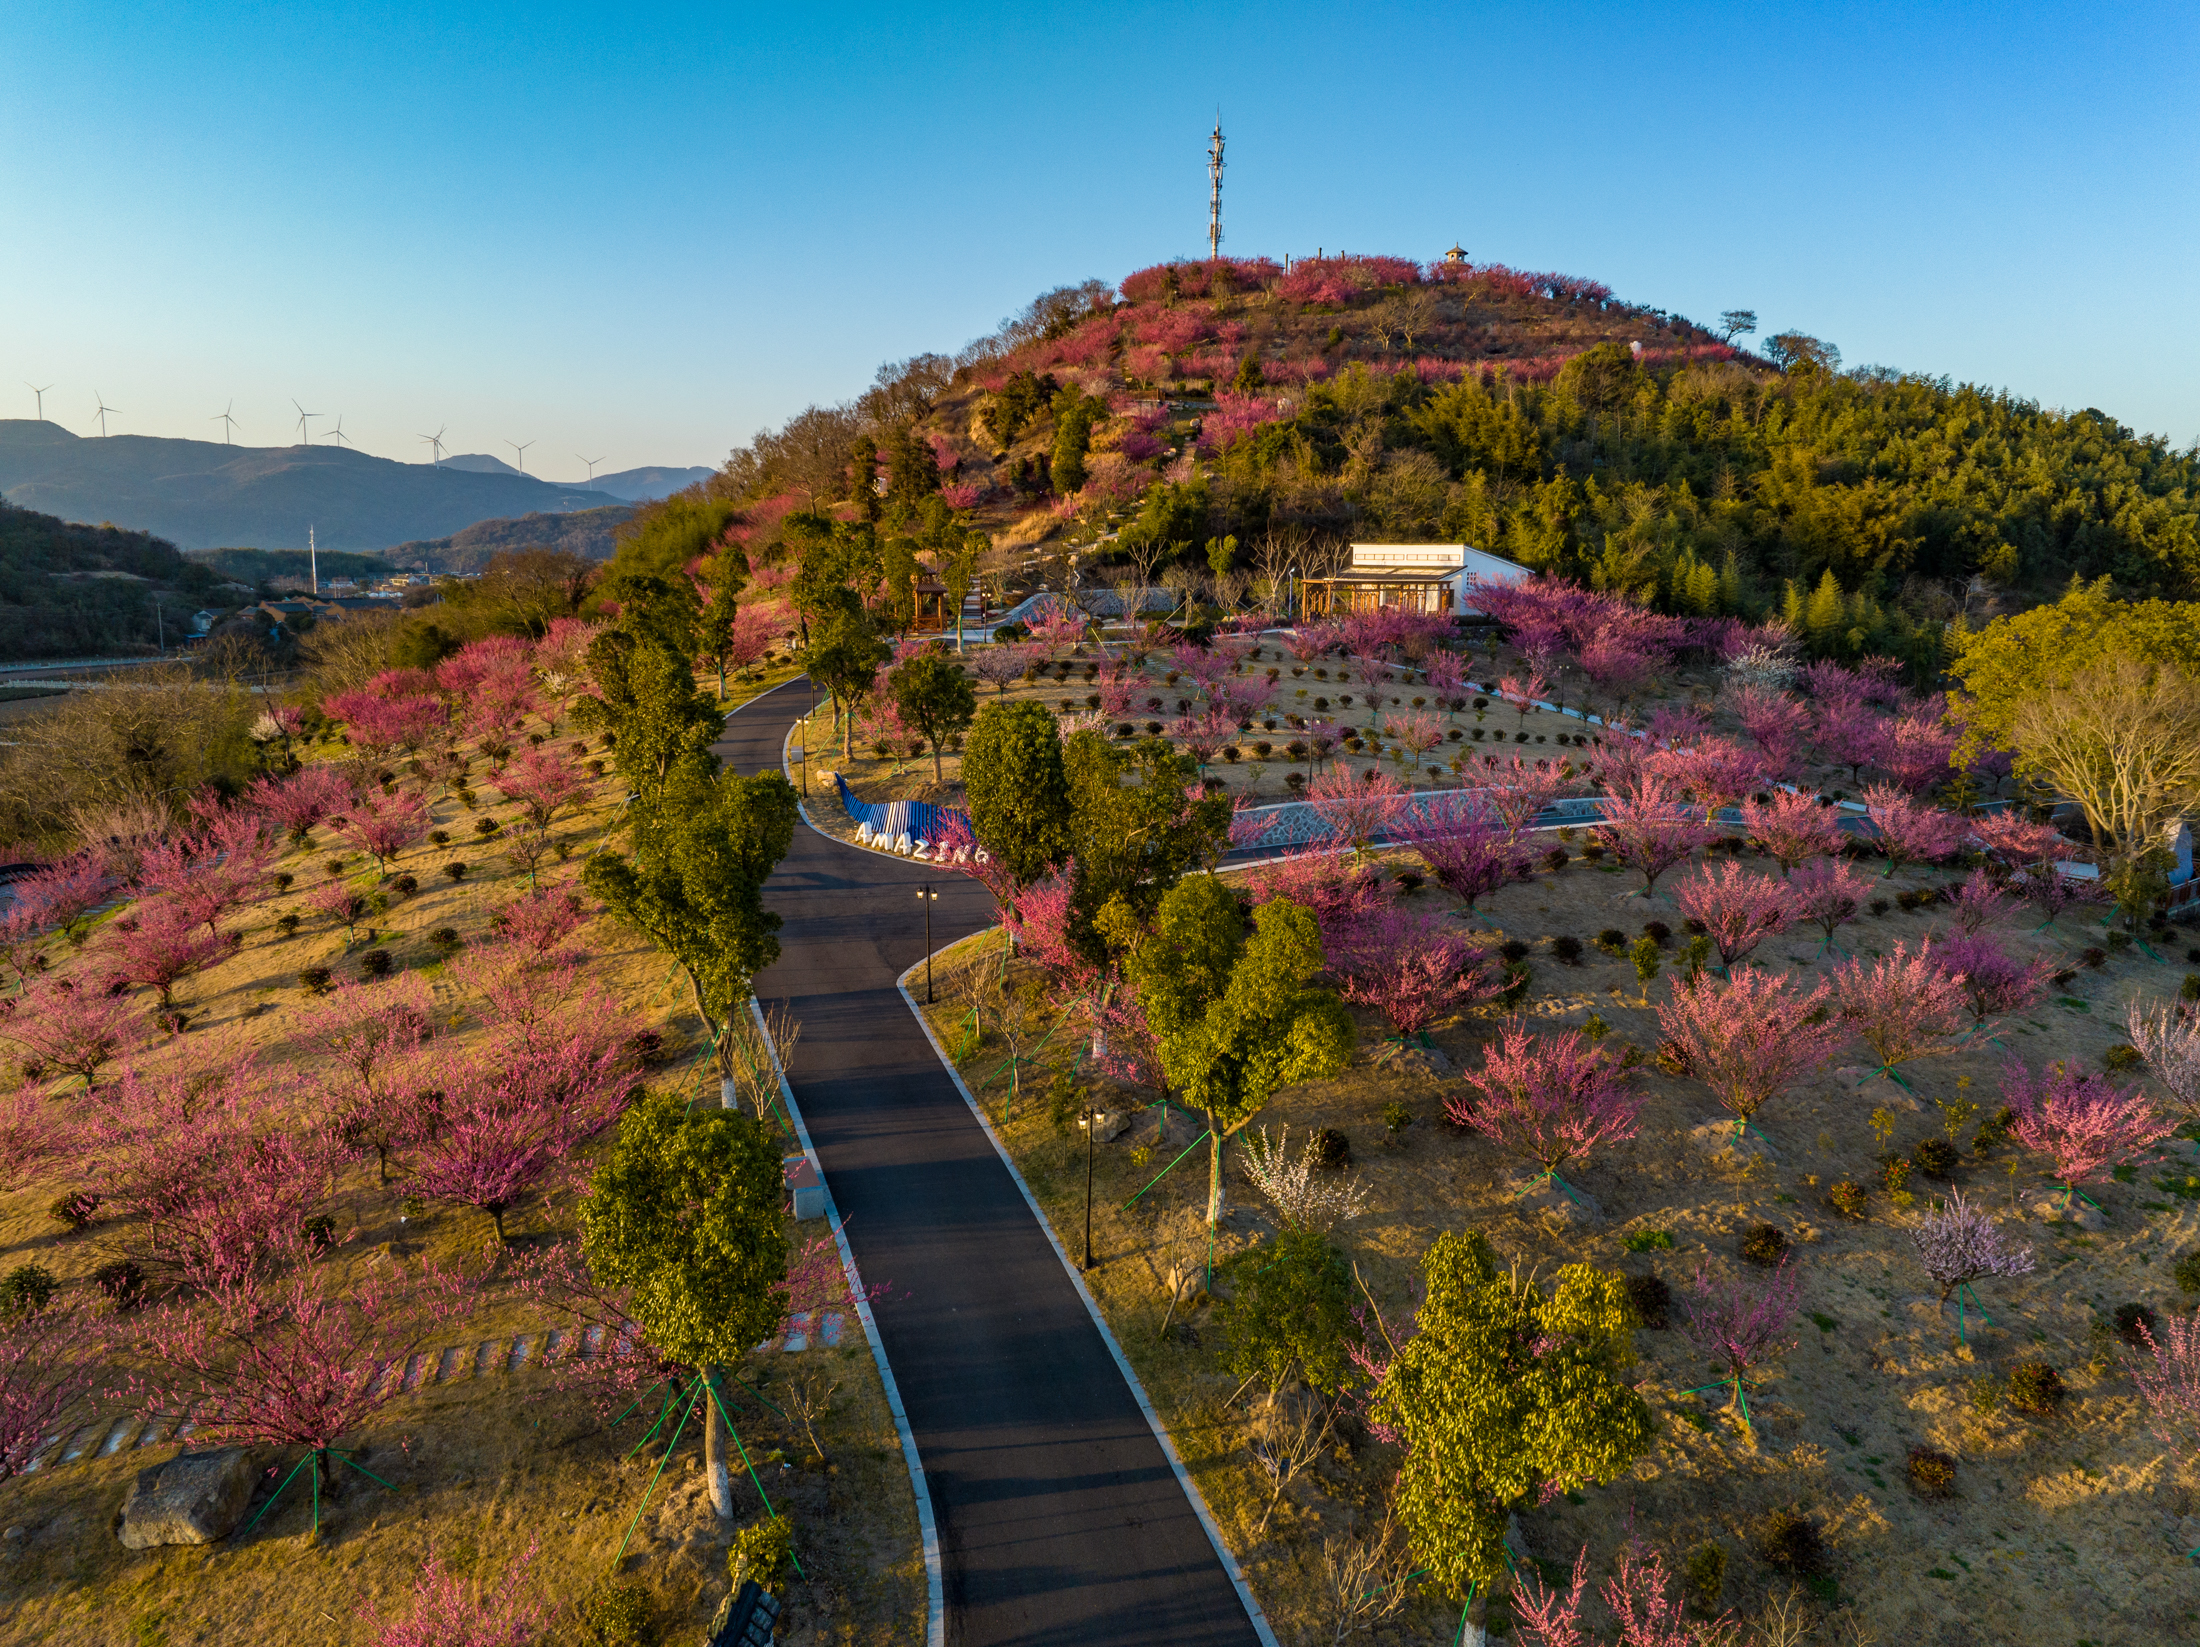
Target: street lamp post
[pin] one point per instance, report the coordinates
(801, 763)
(931, 896)
(1090, 1121)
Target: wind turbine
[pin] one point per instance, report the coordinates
(436, 442)
(591, 462)
(304, 436)
(337, 433)
(41, 394)
(521, 449)
(227, 422)
(104, 409)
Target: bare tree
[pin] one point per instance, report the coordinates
(1288, 1438)
(2123, 741)
(906, 389)
(1362, 1582)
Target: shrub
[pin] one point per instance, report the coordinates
(445, 939)
(1847, 1199)
(2035, 1388)
(2135, 1324)
(1935, 1157)
(456, 869)
(2187, 1273)
(2118, 1059)
(1880, 906)
(1894, 1172)
(375, 963)
(314, 980)
(485, 827)
(1986, 1395)
(1594, 852)
(26, 1289)
(614, 1614)
(1567, 948)
(2094, 955)
(1396, 1118)
(1648, 1301)
(319, 1231)
(123, 1283)
(1703, 1576)
(1792, 1544)
(1672, 1059)
(1764, 1244)
(1657, 932)
(1612, 941)
(1409, 881)
(405, 885)
(439, 837)
(760, 1551)
(1932, 1473)
(74, 1209)
(287, 923)
(2189, 990)
(1649, 1241)
(1513, 950)
(1555, 859)
(1332, 1149)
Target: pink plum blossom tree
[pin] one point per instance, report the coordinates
(1741, 1325)
(159, 944)
(1465, 847)
(1908, 832)
(1749, 1037)
(1409, 967)
(1995, 983)
(2170, 1382)
(383, 826)
(1737, 908)
(69, 1027)
(2169, 1039)
(1902, 1006)
(543, 783)
(451, 1611)
(1650, 829)
(1548, 1098)
(1794, 827)
(50, 1364)
(2079, 1121)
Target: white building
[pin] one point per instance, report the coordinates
(1427, 577)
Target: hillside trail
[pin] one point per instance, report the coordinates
(1060, 1518)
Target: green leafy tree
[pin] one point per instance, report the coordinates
(1221, 555)
(1504, 1392)
(668, 539)
(695, 887)
(863, 480)
(661, 727)
(912, 469)
(1074, 415)
(724, 577)
(1134, 832)
(1289, 1311)
(843, 657)
(2013, 661)
(1250, 379)
(935, 698)
(685, 1218)
(1233, 1007)
(1017, 788)
(899, 555)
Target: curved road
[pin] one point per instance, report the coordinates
(1060, 1520)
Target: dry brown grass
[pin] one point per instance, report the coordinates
(480, 1467)
(2059, 1530)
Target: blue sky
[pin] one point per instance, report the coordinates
(644, 232)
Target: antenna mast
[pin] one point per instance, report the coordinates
(1214, 192)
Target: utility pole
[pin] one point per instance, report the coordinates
(313, 560)
(1214, 192)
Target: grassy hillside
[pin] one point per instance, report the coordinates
(584, 532)
(1533, 414)
(69, 590)
(255, 566)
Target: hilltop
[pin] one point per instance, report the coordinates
(1535, 415)
(584, 532)
(202, 495)
(644, 485)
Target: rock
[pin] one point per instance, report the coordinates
(194, 1498)
(1718, 1138)
(1429, 1063)
(1111, 1124)
(1540, 1197)
(16, 1535)
(2049, 1209)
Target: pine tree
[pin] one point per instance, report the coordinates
(1826, 616)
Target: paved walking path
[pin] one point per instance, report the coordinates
(1060, 1520)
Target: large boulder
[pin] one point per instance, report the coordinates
(194, 1498)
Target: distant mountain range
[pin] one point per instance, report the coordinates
(202, 495)
(584, 532)
(644, 485)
